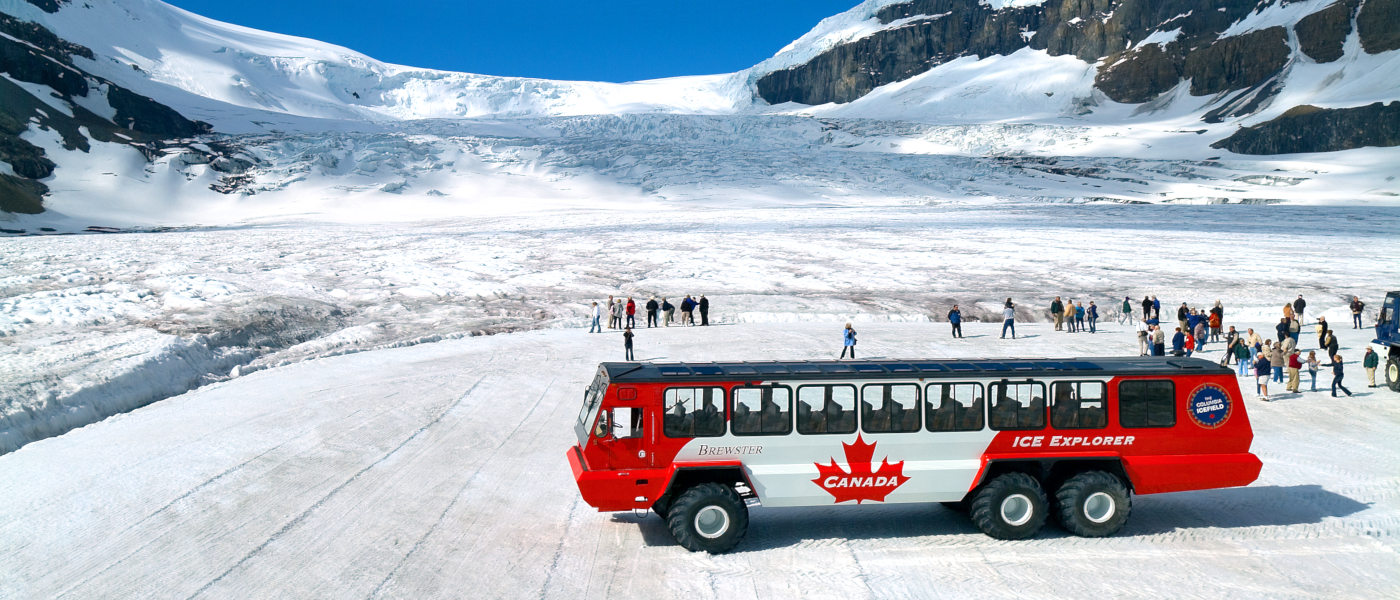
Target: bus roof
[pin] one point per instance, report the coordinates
(981, 368)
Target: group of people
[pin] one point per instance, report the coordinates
(1072, 316)
(1269, 359)
(623, 315)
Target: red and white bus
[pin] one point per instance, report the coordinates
(1010, 441)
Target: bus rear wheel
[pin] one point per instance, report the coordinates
(1093, 504)
(709, 517)
(1010, 507)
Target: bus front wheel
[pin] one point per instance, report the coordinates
(709, 517)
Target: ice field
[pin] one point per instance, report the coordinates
(438, 471)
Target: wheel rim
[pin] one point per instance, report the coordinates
(711, 522)
(1099, 507)
(1017, 510)
(1392, 372)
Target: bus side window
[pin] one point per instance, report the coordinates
(693, 412)
(765, 410)
(1019, 405)
(889, 408)
(1150, 403)
(1077, 405)
(953, 407)
(626, 422)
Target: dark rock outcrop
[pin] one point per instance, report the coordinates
(1378, 24)
(1321, 34)
(1237, 62)
(1140, 75)
(48, 6)
(1313, 129)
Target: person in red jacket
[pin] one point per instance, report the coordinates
(631, 313)
(1294, 364)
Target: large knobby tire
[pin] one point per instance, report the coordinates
(709, 517)
(1093, 504)
(1392, 373)
(1010, 507)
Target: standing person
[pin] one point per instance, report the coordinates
(617, 309)
(1008, 315)
(1261, 377)
(1069, 316)
(1253, 341)
(1331, 344)
(1093, 314)
(1200, 334)
(1142, 338)
(1057, 310)
(1293, 365)
(1146, 308)
(687, 311)
(652, 307)
(1370, 361)
(1127, 315)
(612, 322)
(1214, 322)
(1178, 343)
(955, 317)
(1356, 307)
(1159, 341)
(1156, 308)
(1182, 313)
(1079, 317)
(1322, 330)
(1336, 365)
(848, 339)
(627, 342)
(1231, 337)
(1298, 306)
(1242, 355)
(1282, 328)
(1294, 327)
(1276, 359)
(631, 313)
(704, 305)
(1288, 311)
(1190, 344)
(1313, 363)
(668, 311)
(597, 315)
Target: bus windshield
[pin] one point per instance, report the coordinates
(591, 397)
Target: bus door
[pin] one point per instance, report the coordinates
(625, 433)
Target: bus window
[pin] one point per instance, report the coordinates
(1077, 405)
(889, 408)
(765, 410)
(693, 412)
(1147, 403)
(953, 407)
(621, 423)
(826, 409)
(1018, 405)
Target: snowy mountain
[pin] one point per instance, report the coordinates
(134, 113)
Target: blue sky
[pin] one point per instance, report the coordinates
(609, 40)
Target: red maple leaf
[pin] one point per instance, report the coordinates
(861, 483)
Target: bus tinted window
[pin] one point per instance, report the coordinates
(1147, 403)
(889, 407)
(693, 412)
(826, 409)
(765, 410)
(1077, 405)
(1017, 405)
(954, 407)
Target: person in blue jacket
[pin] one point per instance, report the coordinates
(1093, 313)
(1079, 317)
(955, 317)
(1336, 365)
(1178, 343)
(1262, 368)
(849, 339)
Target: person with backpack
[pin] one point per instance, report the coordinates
(848, 339)
(1276, 359)
(1331, 344)
(652, 307)
(1336, 365)
(955, 317)
(1370, 361)
(1357, 306)
(1213, 321)
(1008, 315)
(1057, 310)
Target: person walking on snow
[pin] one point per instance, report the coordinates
(652, 307)
(704, 306)
(848, 339)
(1057, 310)
(1336, 365)
(1331, 344)
(627, 342)
(955, 317)
(1182, 317)
(631, 313)
(1356, 307)
(1008, 315)
(1370, 361)
(1126, 316)
(597, 319)
(1213, 321)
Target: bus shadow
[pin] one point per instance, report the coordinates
(1230, 508)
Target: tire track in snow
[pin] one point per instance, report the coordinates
(289, 525)
(442, 516)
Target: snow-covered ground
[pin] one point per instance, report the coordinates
(438, 471)
(95, 325)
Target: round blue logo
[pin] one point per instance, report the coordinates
(1210, 406)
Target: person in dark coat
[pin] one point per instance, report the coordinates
(1093, 313)
(1356, 307)
(1336, 365)
(955, 317)
(1298, 306)
(1262, 368)
(652, 307)
(1282, 328)
(668, 312)
(1331, 344)
(1146, 308)
(1178, 343)
(687, 311)
(1182, 313)
(1057, 310)
(627, 342)
(704, 305)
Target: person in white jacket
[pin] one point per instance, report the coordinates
(597, 326)
(1009, 314)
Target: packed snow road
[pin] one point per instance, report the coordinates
(438, 471)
